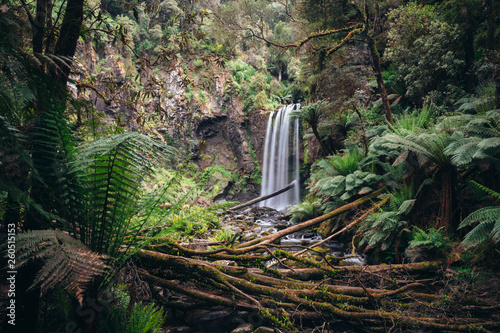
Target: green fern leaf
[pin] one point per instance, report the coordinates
(66, 260)
(406, 207)
(113, 169)
(488, 227)
(486, 189)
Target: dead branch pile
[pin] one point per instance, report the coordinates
(307, 291)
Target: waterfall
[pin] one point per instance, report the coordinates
(281, 159)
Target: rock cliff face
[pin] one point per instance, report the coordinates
(216, 130)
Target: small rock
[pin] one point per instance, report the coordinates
(265, 233)
(225, 262)
(165, 205)
(200, 316)
(179, 329)
(248, 236)
(264, 329)
(281, 225)
(202, 202)
(243, 328)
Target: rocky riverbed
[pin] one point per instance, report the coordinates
(250, 224)
(262, 221)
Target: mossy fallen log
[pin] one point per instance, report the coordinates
(315, 292)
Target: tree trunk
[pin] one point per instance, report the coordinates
(380, 80)
(286, 294)
(490, 24)
(68, 38)
(447, 202)
(490, 46)
(468, 40)
(38, 27)
(321, 142)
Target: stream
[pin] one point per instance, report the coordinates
(250, 224)
(261, 221)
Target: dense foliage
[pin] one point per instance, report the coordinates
(397, 96)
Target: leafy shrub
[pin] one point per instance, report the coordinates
(260, 100)
(337, 165)
(429, 245)
(145, 319)
(385, 229)
(382, 230)
(306, 210)
(358, 182)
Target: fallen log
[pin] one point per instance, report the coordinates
(349, 226)
(263, 197)
(281, 301)
(307, 224)
(404, 296)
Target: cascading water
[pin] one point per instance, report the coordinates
(281, 159)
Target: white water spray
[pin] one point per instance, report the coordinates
(281, 159)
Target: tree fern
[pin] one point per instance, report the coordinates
(66, 260)
(431, 145)
(480, 142)
(382, 230)
(312, 114)
(113, 168)
(54, 187)
(488, 227)
(110, 172)
(345, 186)
(348, 162)
(483, 101)
(338, 164)
(489, 222)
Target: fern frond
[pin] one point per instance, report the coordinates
(305, 210)
(412, 123)
(66, 260)
(463, 151)
(310, 113)
(488, 227)
(113, 169)
(490, 146)
(346, 163)
(485, 189)
(433, 145)
(145, 319)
